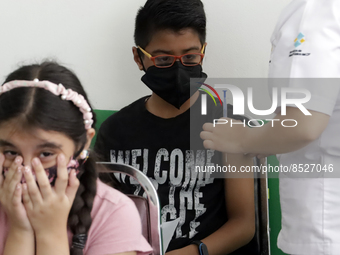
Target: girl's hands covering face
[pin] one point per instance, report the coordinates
(11, 195)
(48, 207)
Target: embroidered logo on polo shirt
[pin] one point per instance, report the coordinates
(299, 40)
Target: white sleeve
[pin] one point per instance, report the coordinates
(306, 41)
(325, 93)
(306, 44)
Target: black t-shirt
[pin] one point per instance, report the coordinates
(167, 151)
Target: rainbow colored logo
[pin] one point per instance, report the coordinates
(208, 92)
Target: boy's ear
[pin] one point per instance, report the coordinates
(137, 59)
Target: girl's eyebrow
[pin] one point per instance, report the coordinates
(40, 146)
(49, 145)
(5, 143)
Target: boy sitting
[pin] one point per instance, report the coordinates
(155, 134)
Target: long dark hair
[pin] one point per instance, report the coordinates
(39, 108)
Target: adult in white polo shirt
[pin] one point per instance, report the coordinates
(306, 44)
(311, 207)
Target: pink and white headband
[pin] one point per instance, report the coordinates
(66, 94)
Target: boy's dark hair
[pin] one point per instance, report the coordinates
(175, 15)
(38, 108)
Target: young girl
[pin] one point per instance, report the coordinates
(51, 201)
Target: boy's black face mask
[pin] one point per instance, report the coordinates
(172, 84)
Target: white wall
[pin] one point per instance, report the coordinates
(94, 38)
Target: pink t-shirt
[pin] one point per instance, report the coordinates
(116, 225)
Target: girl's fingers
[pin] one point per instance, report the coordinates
(15, 180)
(26, 198)
(33, 190)
(12, 169)
(62, 175)
(73, 185)
(2, 160)
(17, 195)
(42, 179)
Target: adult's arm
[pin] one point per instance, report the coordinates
(272, 138)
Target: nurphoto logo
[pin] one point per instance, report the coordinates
(239, 103)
